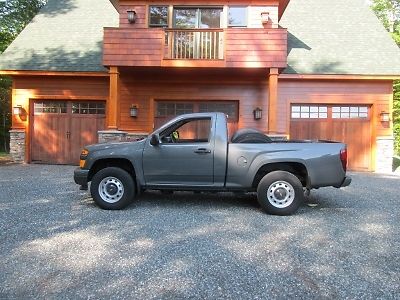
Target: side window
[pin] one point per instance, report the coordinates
(158, 16)
(192, 131)
(237, 16)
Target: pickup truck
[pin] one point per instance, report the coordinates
(192, 152)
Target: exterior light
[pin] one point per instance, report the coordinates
(257, 113)
(17, 110)
(134, 111)
(132, 16)
(265, 17)
(385, 116)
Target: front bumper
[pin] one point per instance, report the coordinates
(346, 181)
(81, 176)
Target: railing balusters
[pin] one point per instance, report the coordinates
(194, 44)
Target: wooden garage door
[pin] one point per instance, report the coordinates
(167, 110)
(344, 123)
(60, 129)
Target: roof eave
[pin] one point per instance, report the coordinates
(282, 7)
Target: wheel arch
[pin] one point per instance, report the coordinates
(122, 163)
(296, 168)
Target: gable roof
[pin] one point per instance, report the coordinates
(65, 35)
(338, 37)
(325, 37)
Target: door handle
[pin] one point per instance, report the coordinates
(202, 151)
(68, 134)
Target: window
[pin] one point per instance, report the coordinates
(188, 131)
(173, 109)
(49, 107)
(84, 108)
(158, 16)
(190, 17)
(229, 109)
(309, 112)
(349, 112)
(237, 16)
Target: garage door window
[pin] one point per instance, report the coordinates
(50, 107)
(309, 112)
(349, 112)
(86, 108)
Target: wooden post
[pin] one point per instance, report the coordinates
(113, 101)
(273, 101)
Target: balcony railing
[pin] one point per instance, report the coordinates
(205, 44)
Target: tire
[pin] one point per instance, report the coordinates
(112, 188)
(280, 193)
(250, 136)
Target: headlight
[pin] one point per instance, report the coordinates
(83, 157)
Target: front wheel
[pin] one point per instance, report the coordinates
(280, 193)
(112, 188)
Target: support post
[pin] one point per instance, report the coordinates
(273, 101)
(113, 101)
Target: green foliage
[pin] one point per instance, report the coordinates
(14, 16)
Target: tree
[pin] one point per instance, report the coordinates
(14, 16)
(388, 11)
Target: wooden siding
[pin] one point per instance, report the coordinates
(266, 48)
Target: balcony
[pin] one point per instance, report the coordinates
(218, 48)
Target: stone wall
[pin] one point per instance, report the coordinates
(115, 136)
(17, 145)
(384, 154)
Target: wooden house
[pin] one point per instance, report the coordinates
(93, 70)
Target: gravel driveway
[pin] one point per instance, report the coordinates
(55, 243)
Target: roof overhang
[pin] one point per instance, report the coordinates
(338, 77)
(282, 7)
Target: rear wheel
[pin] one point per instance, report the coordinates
(280, 193)
(112, 188)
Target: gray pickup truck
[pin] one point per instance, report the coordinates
(192, 153)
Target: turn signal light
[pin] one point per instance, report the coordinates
(83, 157)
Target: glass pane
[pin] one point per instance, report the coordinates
(363, 115)
(314, 109)
(336, 115)
(345, 109)
(345, 115)
(158, 16)
(363, 109)
(336, 109)
(354, 109)
(354, 115)
(323, 109)
(210, 17)
(185, 17)
(305, 115)
(295, 108)
(237, 16)
(314, 115)
(323, 115)
(305, 109)
(295, 115)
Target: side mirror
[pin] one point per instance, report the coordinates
(155, 139)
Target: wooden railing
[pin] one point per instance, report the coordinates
(194, 44)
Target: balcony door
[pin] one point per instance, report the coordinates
(202, 18)
(197, 33)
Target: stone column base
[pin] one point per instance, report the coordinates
(111, 136)
(384, 154)
(17, 145)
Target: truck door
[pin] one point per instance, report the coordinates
(184, 155)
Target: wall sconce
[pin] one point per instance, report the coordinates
(18, 110)
(134, 111)
(385, 116)
(265, 17)
(132, 16)
(257, 113)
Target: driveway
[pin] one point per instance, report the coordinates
(55, 243)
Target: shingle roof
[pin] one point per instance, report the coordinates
(325, 37)
(65, 36)
(338, 37)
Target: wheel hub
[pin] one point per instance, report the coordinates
(280, 194)
(111, 189)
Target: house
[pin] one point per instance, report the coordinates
(93, 70)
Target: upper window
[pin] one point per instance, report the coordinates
(349, 112)
(158, 16)
(237, 16)
(309, 112)
(49, 107)
(173, 109)
(86, 108)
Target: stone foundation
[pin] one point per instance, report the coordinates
(384, 154)
(115, 136)
(17, 145)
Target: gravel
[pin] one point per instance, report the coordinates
(55, 243)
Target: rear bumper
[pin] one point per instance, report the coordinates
(81, 176)
(346, 182)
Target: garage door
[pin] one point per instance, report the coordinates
(345, 123)
(167, 110)
(60, 129)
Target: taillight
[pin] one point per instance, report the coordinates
(343, 158)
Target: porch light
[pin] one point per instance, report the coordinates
(17, 110)
(265, 17)
(385, 116)
(134, 111)
(131, 16)
(257, 113)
